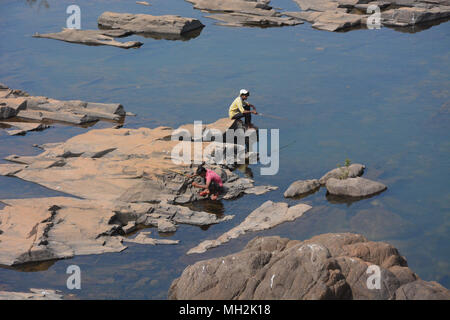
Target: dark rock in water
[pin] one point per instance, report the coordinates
(145, 23)
(300, 187)
(327, 266)
(354, 187)
(92, 37)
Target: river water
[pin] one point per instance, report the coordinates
(377, 97)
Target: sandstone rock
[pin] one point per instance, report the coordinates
(20, 104)
(352, 171)
(20, 128)
(267, 216)
(244, 13)
(317, 5)
(142, 238)
(328, 266)
(145, 23)
(165, 225)
(34, 294)
(301, 187)
(354, 187)
(136, 184)
(422, 290)
(402, 17)
(49, 228)
(91, 37)
(9, 107)
(242, 19)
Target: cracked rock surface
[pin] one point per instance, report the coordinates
(327, 266)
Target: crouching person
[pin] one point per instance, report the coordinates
(213, 186)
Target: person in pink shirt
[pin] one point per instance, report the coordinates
(213, 186)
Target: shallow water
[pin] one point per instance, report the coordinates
(370, 96)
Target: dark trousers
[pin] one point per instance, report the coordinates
(247, 116)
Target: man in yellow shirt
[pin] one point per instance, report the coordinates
(240, 108)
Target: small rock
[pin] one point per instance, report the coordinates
(300, 187)
(354, 187)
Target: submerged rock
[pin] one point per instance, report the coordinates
(268, 215)
(327, 266)
(354, 187)
(34, 294)
(301, 187)
(92, 37)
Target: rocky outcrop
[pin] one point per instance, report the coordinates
(338, 15)
(34, 294)
(268, 215)
(301, 187)
(256, 13)
(54, 228)
(17, 103)
(327, 266)
(92, 37)
(148, 24)
(125, 180)
(354, 187)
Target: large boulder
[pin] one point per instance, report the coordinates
(354, 187)
(327, 266)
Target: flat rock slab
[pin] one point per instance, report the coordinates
(403, 17)
(142, 238)
(20, 104)
(267, 216)
(9, 107)
(354, 187)
(337, 15)
(42, 229)
(92, 37)
(326, 267)
(34, 294)
(241, 19)
(145, 23)
(20, 128)
(301, 187)
(238, 13)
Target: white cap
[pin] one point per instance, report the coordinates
(244, 91)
